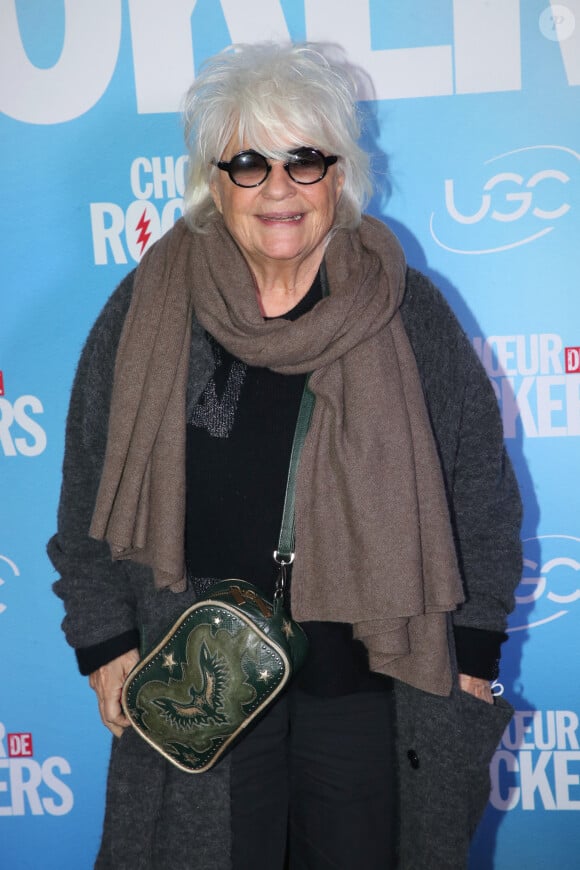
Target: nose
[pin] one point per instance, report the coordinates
(278, 185)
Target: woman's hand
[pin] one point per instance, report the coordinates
(107, 683)
(476, 686)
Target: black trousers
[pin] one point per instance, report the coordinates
(313, 785)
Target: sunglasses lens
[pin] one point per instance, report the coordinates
(248, 168)
(306, 165)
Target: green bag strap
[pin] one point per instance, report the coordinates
(284, 555)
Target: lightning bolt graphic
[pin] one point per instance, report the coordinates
(143, 226)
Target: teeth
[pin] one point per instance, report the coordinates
(295, 217)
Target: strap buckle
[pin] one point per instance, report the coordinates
(283, 560)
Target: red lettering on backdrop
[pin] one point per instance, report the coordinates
(20, 745)
(572, 357)
(1, 383)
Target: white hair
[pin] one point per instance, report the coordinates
(273, 98)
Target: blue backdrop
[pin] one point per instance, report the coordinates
(474, 123)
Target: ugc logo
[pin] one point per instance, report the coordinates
(516, 198)
(13, 570)
(550, 585)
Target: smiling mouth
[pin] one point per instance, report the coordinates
(281, 218)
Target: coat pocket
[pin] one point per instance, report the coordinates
(482, 725)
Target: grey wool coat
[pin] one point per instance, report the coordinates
(156, 816)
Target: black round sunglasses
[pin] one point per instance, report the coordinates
(250, 168)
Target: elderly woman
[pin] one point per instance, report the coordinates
(407, 513)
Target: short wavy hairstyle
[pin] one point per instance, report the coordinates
(274, 97)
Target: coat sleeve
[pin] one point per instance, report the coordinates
(486, 509)
(482, 491)
(100, 620)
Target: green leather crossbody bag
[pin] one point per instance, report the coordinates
(225, 659)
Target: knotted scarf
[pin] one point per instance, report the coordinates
(374, 546)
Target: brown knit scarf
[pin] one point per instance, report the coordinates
(373, 541)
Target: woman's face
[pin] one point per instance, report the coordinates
(279, 223)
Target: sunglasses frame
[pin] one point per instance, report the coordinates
(227, 166)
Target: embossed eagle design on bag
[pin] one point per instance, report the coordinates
(206, 704)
